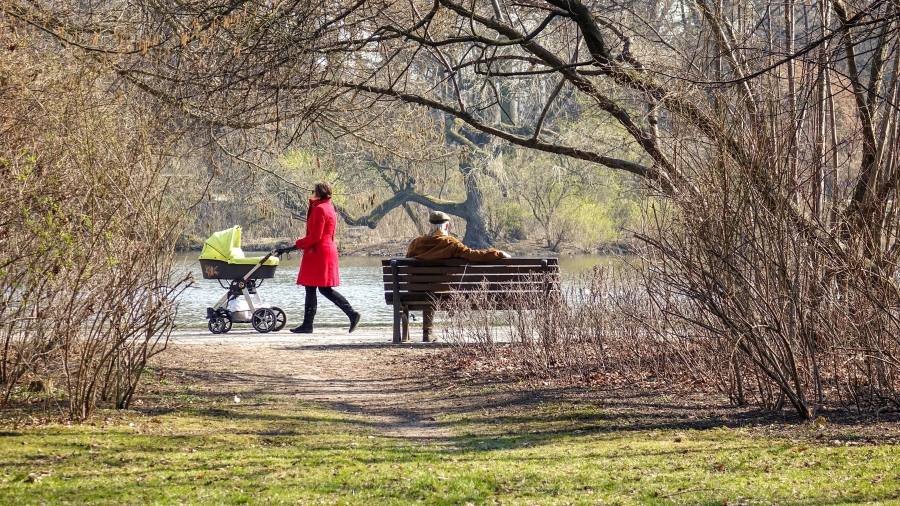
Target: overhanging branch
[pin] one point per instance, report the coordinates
(527, 142)
(404, 196)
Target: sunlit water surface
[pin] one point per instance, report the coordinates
(361, 284)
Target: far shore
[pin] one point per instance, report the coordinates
(397, 247)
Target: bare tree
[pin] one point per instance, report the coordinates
(766, 133)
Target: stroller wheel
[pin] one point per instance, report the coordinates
(264, 320)
(280, 319)
(219, 325)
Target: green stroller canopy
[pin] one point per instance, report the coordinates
(225, 246)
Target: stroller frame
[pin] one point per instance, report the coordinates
(264, 319)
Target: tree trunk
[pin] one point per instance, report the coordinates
(476, 232)
(471, 210)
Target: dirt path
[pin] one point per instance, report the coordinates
(400, 395)
(360, 373)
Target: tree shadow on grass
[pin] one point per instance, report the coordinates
(401, 403)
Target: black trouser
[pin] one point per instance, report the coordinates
(330, 294)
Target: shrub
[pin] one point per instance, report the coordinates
(86, 239)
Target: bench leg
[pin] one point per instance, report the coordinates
(405, 322)
(397, 339)
(427, 323)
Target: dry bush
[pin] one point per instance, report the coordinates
(804, 310)
(775, 321)
(86, 230)
(733, 293)
(637, 324)
(602, 328)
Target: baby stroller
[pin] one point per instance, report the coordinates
(223, 260)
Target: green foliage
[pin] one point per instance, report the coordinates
(572, 204)
(505, 219)
(300, 160)
(584, 221)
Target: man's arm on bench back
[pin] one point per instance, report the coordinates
(440, 247)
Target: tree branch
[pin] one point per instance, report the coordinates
(408, 194)
(613, 163)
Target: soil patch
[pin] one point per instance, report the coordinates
(373, 381)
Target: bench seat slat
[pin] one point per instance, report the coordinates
(466, 287)
(466, 269)
(425, 297)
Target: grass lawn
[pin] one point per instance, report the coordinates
(274, 447)
(273, 451)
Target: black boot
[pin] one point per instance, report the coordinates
(309, 312)
(354, 320)
(307, 326)
(339, 301)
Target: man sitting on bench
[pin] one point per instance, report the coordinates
(438, 245)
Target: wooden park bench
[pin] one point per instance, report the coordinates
(411, 284)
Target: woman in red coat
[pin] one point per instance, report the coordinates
(319, 267)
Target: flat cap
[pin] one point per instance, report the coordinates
(438, 217)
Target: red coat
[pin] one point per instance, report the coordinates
(319, 266)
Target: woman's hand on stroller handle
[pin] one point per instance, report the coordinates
(281, 251)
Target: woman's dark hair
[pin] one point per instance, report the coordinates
(323, 190)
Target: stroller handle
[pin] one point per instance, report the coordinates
(258, 265)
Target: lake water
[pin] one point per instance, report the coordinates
(361, 284)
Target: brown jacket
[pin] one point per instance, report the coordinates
(437, 246)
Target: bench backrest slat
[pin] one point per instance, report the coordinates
(421, 281)
(426, 298)
(467, 269)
